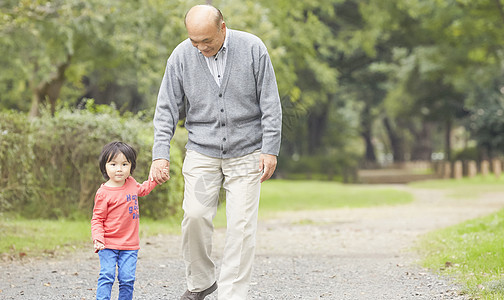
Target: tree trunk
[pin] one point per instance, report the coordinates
(422, 146)
(34, 109)
(500, 9)
(367, 134)
(317, 122)
(87, 189)
(396, 142)
(448, 129)
(48, 90)
(370, 155)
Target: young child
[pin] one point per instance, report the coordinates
(115, 222)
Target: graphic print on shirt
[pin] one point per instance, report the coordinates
(133, 206)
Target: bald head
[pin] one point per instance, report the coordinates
(203, 15)
(206, 29)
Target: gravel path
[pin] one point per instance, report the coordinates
(339, 254)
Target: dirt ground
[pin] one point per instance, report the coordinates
(363, 253)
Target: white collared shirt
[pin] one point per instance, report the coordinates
(217, 63)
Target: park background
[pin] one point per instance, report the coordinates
(364, 85)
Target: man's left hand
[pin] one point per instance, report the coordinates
(267, 164)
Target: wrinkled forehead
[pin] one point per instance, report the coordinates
(201, 27)
(202, 34)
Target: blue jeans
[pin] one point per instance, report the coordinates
(126, 266)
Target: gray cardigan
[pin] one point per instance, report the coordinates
(235, 119)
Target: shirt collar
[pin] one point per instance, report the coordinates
(224, 45)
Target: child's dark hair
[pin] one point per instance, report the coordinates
(111, 150)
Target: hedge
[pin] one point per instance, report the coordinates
(49, 165)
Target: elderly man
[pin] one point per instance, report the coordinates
(223, 81)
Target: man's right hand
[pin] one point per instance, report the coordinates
(160, 171)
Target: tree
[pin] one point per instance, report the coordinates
(51, 45)
(436, 49)
(307, 81)
(46, 42)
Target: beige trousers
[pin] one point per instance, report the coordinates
(204, 177)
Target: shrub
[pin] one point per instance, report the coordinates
(49, 165)
(16, 161)
(339, 167)
(469, 153)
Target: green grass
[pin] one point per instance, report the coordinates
(42, 237)
(288, 195)
(37, 237)
(50, 237)
(281, 195)
(471, 252)
(465, 187)
(149, 227)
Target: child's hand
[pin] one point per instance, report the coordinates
(98, 245)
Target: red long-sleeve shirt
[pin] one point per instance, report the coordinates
(116, 215)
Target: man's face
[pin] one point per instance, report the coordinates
(208, 39)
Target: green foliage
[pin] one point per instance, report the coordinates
(466, 154)
(16, 160)
(52, 45)
(56, 162)
(37, 37)
(405, 62)
(487, 124)
(339, 167)
(445, 58)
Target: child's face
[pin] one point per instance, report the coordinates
(118, 169)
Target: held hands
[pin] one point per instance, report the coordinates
(98, 245)
(160, 168)
(160, 171)
(267, 164)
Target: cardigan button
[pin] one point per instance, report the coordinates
(220, 95)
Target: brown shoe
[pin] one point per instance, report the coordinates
(188, 295)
